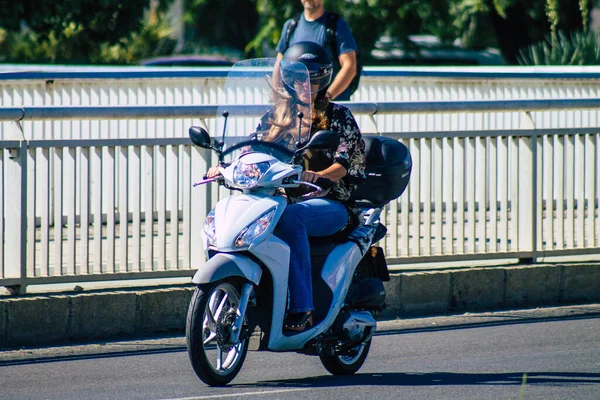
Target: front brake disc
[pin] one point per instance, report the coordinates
(224, 325)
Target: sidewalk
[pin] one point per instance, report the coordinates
(71, 317)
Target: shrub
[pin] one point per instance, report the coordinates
(577, 48)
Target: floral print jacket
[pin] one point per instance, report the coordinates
(350, 152)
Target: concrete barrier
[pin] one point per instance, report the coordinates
(428, 293)
(580, 283)
(98, 315)
(162, 310)
(423, 293)
(36, 320)
(532, 286)
(477, 289)
(42, 320)
(3, 323)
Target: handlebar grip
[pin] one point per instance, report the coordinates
(325, 183)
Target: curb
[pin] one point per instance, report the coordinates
(63, 318)
(491, 288)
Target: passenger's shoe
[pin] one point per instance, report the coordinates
(297, 322)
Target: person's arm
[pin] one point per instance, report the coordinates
(334, 173)
(348, 160)
(344, 76)
(350, 142)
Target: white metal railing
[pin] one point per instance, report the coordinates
(140, 236)
(48, 86)
(508, 194)
(126, 208)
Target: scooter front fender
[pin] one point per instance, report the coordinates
(223, 265)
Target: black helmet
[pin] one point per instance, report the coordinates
(316, 60)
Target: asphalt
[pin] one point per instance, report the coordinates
(176, 342)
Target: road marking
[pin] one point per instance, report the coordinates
(221, 396)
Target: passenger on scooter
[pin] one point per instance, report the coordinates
(344, 167)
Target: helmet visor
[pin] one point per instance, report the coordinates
(295, 76)
(294, 73)
(320, 74)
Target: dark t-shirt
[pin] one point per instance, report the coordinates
(316, 31)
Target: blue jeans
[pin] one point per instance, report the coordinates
(313, 217)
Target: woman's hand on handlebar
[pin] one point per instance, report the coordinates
(317, 179)
(309, 176)
(212, 172)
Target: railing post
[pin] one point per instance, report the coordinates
(15, 214)
(200, 204)
(528, 192)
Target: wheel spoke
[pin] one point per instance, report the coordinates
(210, 337)
(221, 306)
(209, 322)
(231, 356)
(219, 359)
(211, 308)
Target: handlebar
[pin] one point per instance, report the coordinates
(320, 185)
(312, 185)
(206, 180)
(324, 183)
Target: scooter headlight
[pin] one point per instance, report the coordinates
(254, 230)
(247, 175)
(209, 228)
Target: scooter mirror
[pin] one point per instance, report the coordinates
(200, 137)
(324, 139)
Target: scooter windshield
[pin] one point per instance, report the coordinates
(264, 100)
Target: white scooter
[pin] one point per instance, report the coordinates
(242, 291)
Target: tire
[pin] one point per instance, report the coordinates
(346, 365)
(211, 311)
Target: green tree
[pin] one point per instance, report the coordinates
(509, 25)
(69, 31)
(113, 31)
(579, 47)
(224, 25)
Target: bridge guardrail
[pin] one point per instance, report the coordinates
(126, 208)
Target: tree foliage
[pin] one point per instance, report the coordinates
(223, 24)
(75, 31)
(122, 32)
(577, 48)
(510, 25)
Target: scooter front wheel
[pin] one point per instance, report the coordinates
(212, 311)
(346, 364)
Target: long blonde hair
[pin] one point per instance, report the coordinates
(283, 125)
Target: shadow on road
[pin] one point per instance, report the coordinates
(486, 321)
(435, 379)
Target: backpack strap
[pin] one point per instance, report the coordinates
(331, 29)
(290, 29)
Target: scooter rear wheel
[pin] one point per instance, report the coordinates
(346, 364)
(212, 310)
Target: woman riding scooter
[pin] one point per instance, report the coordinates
(326, 213)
